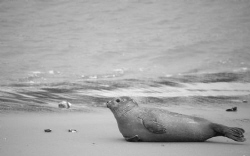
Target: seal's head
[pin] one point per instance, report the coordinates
(121, 105)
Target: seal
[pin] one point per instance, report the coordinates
(138, 123)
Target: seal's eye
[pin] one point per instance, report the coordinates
(118, 100)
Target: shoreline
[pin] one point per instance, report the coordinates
(97, 134)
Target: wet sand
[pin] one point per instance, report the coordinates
(97, 134)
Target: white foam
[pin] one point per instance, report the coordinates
(198, 89)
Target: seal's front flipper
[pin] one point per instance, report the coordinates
(133, 139)
(153, 126)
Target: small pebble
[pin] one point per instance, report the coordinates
(72, 130)
(47, 130)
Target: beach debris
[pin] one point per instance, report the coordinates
(64, 104)
(233, 109)
(244, 101)
(47, 130)
(72, 130)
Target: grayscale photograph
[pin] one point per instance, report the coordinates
(124, 77)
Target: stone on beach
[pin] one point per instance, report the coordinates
(72, 130)
(233, 109)
(64, 104)
(47, 130)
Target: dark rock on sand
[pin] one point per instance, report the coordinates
(233, 109)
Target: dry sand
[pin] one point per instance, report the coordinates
(97, 134)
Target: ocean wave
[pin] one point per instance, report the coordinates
(197, 88)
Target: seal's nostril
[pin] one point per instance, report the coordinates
(107, 103)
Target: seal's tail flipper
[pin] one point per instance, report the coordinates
(234, 133)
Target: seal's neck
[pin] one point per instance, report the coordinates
(124, 110)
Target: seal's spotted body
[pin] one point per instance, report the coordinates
(153, 124)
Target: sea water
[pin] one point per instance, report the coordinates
(90, 51)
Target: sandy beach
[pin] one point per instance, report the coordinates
(190, 57)
(97, 134)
